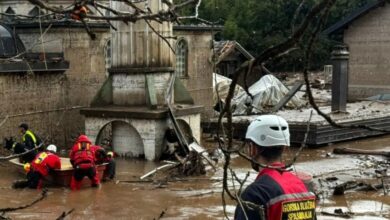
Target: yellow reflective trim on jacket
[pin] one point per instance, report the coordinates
(28, 132)
(41, 157)
(87, 148)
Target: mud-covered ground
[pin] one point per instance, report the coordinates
(200, 197)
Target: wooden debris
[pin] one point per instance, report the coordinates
(357, 186)
(338, 213)
(191, 165)
(288, 96)
(340, 189)
(202, 152)
(358, 151)
(157, 169)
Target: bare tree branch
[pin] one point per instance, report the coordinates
(13, 156)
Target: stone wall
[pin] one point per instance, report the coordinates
(50, 102)
(200, 69)
(150, 132)
(369, 47)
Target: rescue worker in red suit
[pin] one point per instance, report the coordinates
(83, 159)
(281, 193)
(40, 167)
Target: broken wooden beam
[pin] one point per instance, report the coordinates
(297, 86)
(157, 169)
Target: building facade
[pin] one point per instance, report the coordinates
(50, 101)
(193, 63)
(366, 33)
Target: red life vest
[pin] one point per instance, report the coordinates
(296, 202)
(84, 155)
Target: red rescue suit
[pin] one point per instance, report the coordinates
(41, 166)
(282, 194)
(83, 159)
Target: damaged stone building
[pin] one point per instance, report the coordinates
(60, 69)
(366, 33)
(49, 99)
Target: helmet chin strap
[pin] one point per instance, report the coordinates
(255, 157)
(255, 166)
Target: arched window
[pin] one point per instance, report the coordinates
(107, 55)
(181, 58)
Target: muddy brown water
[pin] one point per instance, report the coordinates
(201, 198)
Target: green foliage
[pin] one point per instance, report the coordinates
(259, 24)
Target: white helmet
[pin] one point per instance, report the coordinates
(269, 130)
(52, 147)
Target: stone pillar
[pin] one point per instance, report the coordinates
(340, 57)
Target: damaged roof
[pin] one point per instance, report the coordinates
(225, 48)
(346, 21)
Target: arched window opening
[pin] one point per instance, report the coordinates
(182, 58)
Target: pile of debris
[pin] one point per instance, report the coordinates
(269, 94)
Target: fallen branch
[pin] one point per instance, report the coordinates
(13, 156)
(161, 214)
(43, 195)
(64, 214)
(346, 150)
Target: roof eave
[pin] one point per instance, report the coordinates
(346, 21)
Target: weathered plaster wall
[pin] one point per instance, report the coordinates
(50, 102)
(200, 69)
(369, 46)
(130, 89)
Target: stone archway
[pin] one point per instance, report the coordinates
(125, 139)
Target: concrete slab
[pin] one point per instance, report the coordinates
(372, 113)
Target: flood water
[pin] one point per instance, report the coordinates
(200, 197)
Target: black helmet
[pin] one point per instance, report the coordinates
(24, 125)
